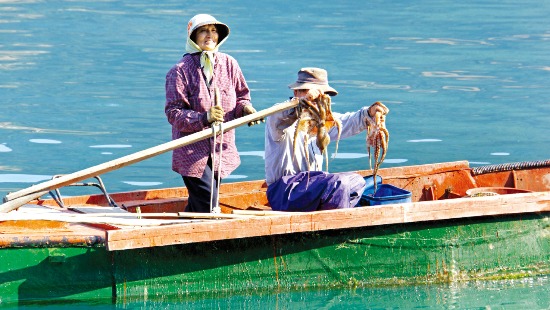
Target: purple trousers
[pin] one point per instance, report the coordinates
(316, 190)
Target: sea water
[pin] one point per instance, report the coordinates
(530, 293)
(82, 83)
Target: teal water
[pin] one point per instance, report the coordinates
(82, 83)
(511, 294)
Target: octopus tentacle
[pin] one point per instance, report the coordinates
(338, 124)
(384, 147)
(315, 119)
(377, 138)
(306, 140)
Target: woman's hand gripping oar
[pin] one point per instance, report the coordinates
(217, 127)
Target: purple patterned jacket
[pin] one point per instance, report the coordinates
(188, 99)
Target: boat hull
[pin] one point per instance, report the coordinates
(495, 247)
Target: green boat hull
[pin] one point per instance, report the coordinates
(419, 253)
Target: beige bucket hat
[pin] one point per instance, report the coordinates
(205, 19)
(315, 78)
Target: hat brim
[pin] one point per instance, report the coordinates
(324, 88)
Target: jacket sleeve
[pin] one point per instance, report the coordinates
(277, 124)
(352, 123)
(242, 92)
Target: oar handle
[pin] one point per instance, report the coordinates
(32, 192)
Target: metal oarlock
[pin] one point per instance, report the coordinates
(56, 195)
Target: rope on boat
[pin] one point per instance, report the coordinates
(215, 201)
(511, 166)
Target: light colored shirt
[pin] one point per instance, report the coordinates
(280, 159)
(188, 98)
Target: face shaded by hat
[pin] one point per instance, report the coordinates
(200, 20)
(313, 78)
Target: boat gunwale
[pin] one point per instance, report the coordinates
(286, 223)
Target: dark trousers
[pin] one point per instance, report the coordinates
(199, 190)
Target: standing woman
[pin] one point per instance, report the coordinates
(190, 107)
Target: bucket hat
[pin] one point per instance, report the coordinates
(206, 19)
(316, 78)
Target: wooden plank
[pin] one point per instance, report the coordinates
(264, 212)
(97, 209)
(327, 220)
(32, 208)
(88, 219)
(25, 195)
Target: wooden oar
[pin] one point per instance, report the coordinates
(12, 201)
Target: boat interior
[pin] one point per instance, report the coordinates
(425, 183)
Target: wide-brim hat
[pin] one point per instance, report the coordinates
(206, 19)
(313, 78)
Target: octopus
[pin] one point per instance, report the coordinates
(378, 138)
(315, 119)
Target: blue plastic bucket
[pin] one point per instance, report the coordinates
(385, 193)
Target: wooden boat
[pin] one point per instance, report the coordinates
(139, 245)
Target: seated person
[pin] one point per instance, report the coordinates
(291, 186)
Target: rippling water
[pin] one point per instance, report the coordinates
(529, 294)
(82, 82)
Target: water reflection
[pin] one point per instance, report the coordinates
(12, 126)
(45, 141)
(23, 178)
(4, 148)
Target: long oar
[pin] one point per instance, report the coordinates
(19, 198)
